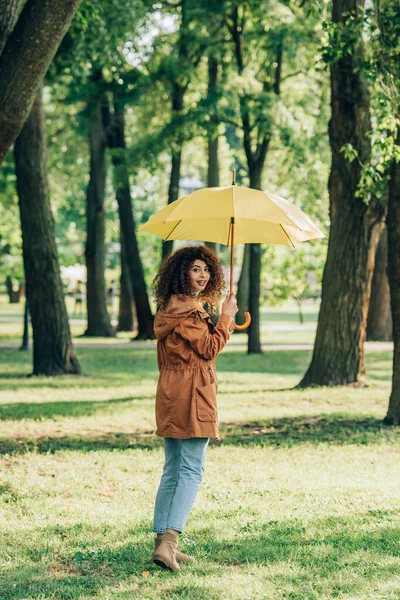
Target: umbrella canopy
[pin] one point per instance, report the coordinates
(208, 215)
(233, 215)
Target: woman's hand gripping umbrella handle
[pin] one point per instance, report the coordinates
(232, 242)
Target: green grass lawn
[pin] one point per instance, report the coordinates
(300, 500)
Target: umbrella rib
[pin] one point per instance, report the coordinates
(286, 233)
(171, 232)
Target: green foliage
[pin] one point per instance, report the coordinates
(342, 37)
(10, 234)
(292, 274)
(378, 28)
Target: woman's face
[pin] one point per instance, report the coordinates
(199, 276)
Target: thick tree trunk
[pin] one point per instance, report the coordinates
(393, 227)
(125, 310)
(338, 357)
(53, 352)
(25, 58)
(143, 311)
(99, 324)
(379, 322)
(9, 10)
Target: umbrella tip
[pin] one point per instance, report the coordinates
(233, 176)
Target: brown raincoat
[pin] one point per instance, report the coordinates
(188, 342)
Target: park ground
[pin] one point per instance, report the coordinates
(300, 499)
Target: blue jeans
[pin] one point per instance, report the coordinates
(180, 482)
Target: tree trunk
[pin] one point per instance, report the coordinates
(178, 95)
(25, 58)
(256, 140)
(99, 324)
(53, 352)
(173, 193)
(9, 10)
(243, 288)
(379, 322)
(255, 253)
(338, 357)
(212, 136)
(13, 295)
(143, 311)
(300, 310)
(393, 227)
(125, 311)
(25, 334)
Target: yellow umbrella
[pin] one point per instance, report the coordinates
(233, 215)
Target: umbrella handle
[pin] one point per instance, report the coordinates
(245, 324)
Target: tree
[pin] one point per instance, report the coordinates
(385, 29)
(179, 74)
(379, 321)
(212, 132)
(356, 224)
(257, 133)
(53, 352)
(8, 17)
(393, 226)
(125, 308)
(26, 51)
(11, 267)
(116, 140)
(99, 323)
(103, 62)
(292, 274)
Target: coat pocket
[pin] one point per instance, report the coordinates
(206, 403)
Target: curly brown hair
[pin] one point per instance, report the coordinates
(173, 277)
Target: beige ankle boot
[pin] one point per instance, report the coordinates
(180, 556)
(165, 553)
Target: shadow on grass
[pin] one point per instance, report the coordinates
(340, 555)
(333, 429)
(352, 555)
(50, 410)
(88, 443)
(286, 432)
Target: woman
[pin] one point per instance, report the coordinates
(186, 400)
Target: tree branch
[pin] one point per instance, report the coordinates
(9, 10)
(25, 59)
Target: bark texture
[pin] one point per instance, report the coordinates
(379, 322)
(393, 227)
(9, 10)
(26, 56)
(53, 352)
(99, 324)
(125, 310)
(116, 140)
(338, 356)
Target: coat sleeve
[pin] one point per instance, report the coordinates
(205, 343)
